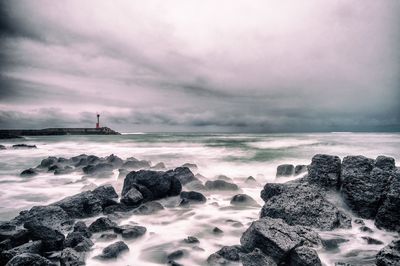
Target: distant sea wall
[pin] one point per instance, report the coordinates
(12, 133)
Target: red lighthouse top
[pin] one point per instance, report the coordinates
(98, 121)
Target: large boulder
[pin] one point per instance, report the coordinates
(132, 198)
(389, 255)
(51, 239)
(152, 184)
(29, 259)
(221, 185)
(106, 194)
(388, 215)
(113, 251)
(299, 204)
(102, 224)
(385, 163)
(193, 196)
(243, 200)
(14, 236)
(300, 168)
(364, 187)
(285, 170)
(78, 240)
(325, 171)
(277, 239)
(30, 247)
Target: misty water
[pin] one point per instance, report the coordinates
(234, 155)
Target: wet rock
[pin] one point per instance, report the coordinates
(113, 251)
(276, 238)
(221, 185)
(99, 168)
(28, 172)
(243, 200)
(106, 194)
(114, 160)
(51, 216)
(29, 259)
(184, 175)
(63, 171)
(299, 169)
(80, 227)
(24, 146)
(30, 247)
(388, 215)
(51, 239)
(359, 221)
(389, 255)
(191, 240)
(256, 258)
(47, 162)
(366, 229)
(195, 185)
(74, 239)
(325, 170)
(132, 198)
(6, 245)
(2, 147)
(113, 209)
(176, 255)
(102, 224)
(71, 257)
(136, 164)
(15, 236)
(364, 187)
(284, 170)
(174, 263)
(152, 184)
(231, 253)
(304, 256)
(149, 208)
(193, 196)
(191, 166)
(108, 236)
(217, 260)
(333, 243)
(372, 241)
(82, 205)
(385, 163)
(217, 231)
(53, 168)
(133, 232)
(299, 204)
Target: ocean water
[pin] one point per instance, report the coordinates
(234, 155)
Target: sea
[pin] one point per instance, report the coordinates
(236, 156)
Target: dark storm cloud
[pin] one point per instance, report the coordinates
(209, 66)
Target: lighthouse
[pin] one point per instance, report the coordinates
(98, 121)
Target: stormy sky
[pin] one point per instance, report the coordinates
(219, 66)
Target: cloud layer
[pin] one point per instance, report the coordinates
(260, 66)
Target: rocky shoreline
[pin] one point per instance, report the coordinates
(287, 233)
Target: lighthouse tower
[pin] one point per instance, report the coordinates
(98, 121)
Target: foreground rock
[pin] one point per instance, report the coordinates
(299, 204)
(29, 259)
(389, 255)
(257, 258)
(325, 170)
(113, 251)
(277, 239)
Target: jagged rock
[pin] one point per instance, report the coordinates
(114, 160)
(47, 162)
(299, 169)
(184, 175)
(106, 194)
(299, 204)
(176, 255)
(24, 146)
(389, 255)
(30, 247)
(98, 169)
(388, 215)
(285, 170)
(276, 238)
(132, 198)
(191, 240)
(256, 258)
(70, 257)
(63, 171)
(28, 172)
(221, 185)
(152, 184)
(74, 239)
(113, 251)
(102, 224)
(304, 256)
(217, 260)
(133, 232)
(193, 196)
(243, 200)
(51, 216)
(51, 239)
(29, 259)
(217, 231)
(385, 163)
(372, 241)
(15, 236)
(80, 227)
(325, 170)
(82, 205)
(364, 187)
(231, 253)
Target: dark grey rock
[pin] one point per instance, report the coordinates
(102, 224)
(372, 241)
(195, 185)
(224, 177)
(98, 169)
(28, 172)
(115, 161)
(184, 175)
(149, 208)
(389, 255)
(47, 162)
(251, 181)
(333, 243)
(191, 240)
(113, 251)
(15, 236)
(106, 194)
(243, 200)
(304, 256)
(74, 239)
(82, 205)
(221, 185)
(276, 238)
(30, 247)
(325, 170)
(300, 169)
(108, 236)
(256, 258)
(366, 229)
(132, 198)
(133, 232)
(70, 257)
(385, 163)
(284, 170)
(364, 187)
(51, 239)
(217, 260)
(176, 255)
(2, 147)
(299, 204)
(24, 146)
(29, 259)
(359, 221)
(193, 196)
(191, 166)
(231, 253)
(80, 227)
(388, 215)
(217, 231)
